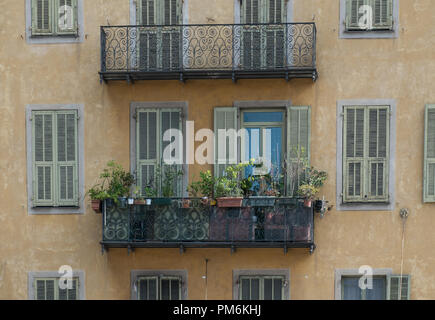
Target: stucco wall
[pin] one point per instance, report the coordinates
(400, 69)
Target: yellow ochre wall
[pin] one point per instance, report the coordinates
(402, 69)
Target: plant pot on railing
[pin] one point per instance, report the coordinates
(96, 205)
(229, 202)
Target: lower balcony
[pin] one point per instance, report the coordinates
(191, 223)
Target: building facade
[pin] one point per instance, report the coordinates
(83, 82)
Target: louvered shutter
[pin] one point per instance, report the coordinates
(147, 288)
(170, 16)
(147, 148)
(146, 12)
(352, 13)
(382, 14)
(66, 17)
(170, 288)
(45, 289)
(67, 164)
(400, 287)
(354, 137)
(298, 145)
(69, 294)
(43, 158)
(225, 118)
(251, 41)
(429, 155)
(42, 11)
(378, 147)
(171, 119)
(366, 153)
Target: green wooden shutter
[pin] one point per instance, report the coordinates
(298, 145)
(66, 17)
(43, 158)
(273, 288)
(67, 154)
(382, 14)
(45, 289)
(353, 153)
(400, 287)
(378, 151)
(352, 13)
(147, 288)
(146, 12)
(42, 11)
(275, 11)
(225, 118)
(171, 119)
(170, 288)
(366, 153)
(429, 155)
(69, 294)
(147, 147)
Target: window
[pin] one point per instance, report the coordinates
(159, 48)
(48, 289)
(54, 18)
(366, 153)
(54, 158)
(268, 284)
(429, 155)
(369, 18)
(269, 135)
(45, 285)
(151, 160)
(263, 45)
(159, 288)
(159, 285)
(384, 287)
(369, 15)
(261, 288)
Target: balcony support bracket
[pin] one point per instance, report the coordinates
(286, 76)
(182, 249)
(233, 249)
(130, 249)
(182, 77)
(103, 249)
(233, 77)
(285, 248)
(312, 248)
(129, 79)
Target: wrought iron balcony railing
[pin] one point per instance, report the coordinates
(285, 224)
(286, 50)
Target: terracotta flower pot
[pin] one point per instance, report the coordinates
(96, 205)
(229, 202)
(307, 203)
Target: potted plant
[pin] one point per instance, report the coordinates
(228, 189)
(97, 195)
(266, 190)
(203, 188)
(169, 175)
(114, 186)
(314, 180)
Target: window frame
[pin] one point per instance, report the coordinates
(370, 34)
(32, 277)
(160, 275)
(59, 38)
(265, 273)
(134, 107)
(80, 175)
(365, 206)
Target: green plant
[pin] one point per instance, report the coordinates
(115, 183)
(313, 181)
(230, 184)
(204, 186)
(170, 175)
(295, 170)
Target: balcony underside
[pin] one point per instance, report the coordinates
(182, 245)
(131, 76)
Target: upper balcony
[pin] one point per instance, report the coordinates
(186, 223)
(230, 51)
